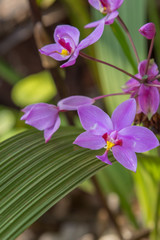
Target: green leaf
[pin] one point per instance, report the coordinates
(147, 180)
(124, 44)
(35, 88)
(35, 175)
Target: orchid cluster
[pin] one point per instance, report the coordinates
(116, 134)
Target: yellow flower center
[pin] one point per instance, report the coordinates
(109, 145)
(64, 52)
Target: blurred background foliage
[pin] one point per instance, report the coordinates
(23, 81)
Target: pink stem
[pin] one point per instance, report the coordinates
(149, 55)
(109, 95)
(110, 65)
(157, 77)
(152, 85)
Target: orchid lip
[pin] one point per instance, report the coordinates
(67, 43)
(111, 140)
(103, 7)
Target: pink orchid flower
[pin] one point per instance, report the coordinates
(115, 133)
(67, 46)
(107, 7)
(45, 117)
(147, 97)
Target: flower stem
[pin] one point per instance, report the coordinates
(152, 85)
(110, 65)
(157, 77)
(129, 36)
(149, 55)
(109, 95)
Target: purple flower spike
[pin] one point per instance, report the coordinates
(45, 116)
(67, 44)
(148, 30)
(115, 133)
(147, 97)
(42, 116)
(107, 7)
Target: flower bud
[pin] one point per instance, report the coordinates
(148, 30)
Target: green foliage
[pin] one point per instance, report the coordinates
(35, 175)
(147, 182)
(35, 88)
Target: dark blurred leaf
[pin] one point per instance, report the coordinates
(154, 17)
(8, 73)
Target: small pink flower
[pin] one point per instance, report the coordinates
(45, 117)
(147, 97)
(115, 133)
(67, 46)
(107, 7)
(148, 30)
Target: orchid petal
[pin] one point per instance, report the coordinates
(49, 131)
(41, 116)
(124, 114)
(104, 158)
(94, 119)
(69, 32)
(139, 139)
(110, 17)
(113, 5)
(93, 37)
(89, 140)
(27, 111)
(74, 102)
(94, 24)
(148, 99)
(131, 85)
(152, 69)
(94, 3)
(54, 51)
(72, 59)
(125, 157)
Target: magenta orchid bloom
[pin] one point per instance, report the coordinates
(45, 116)
(115, 133)
(67, 44)
(108, 7)
(148, 30)
(147, 97)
